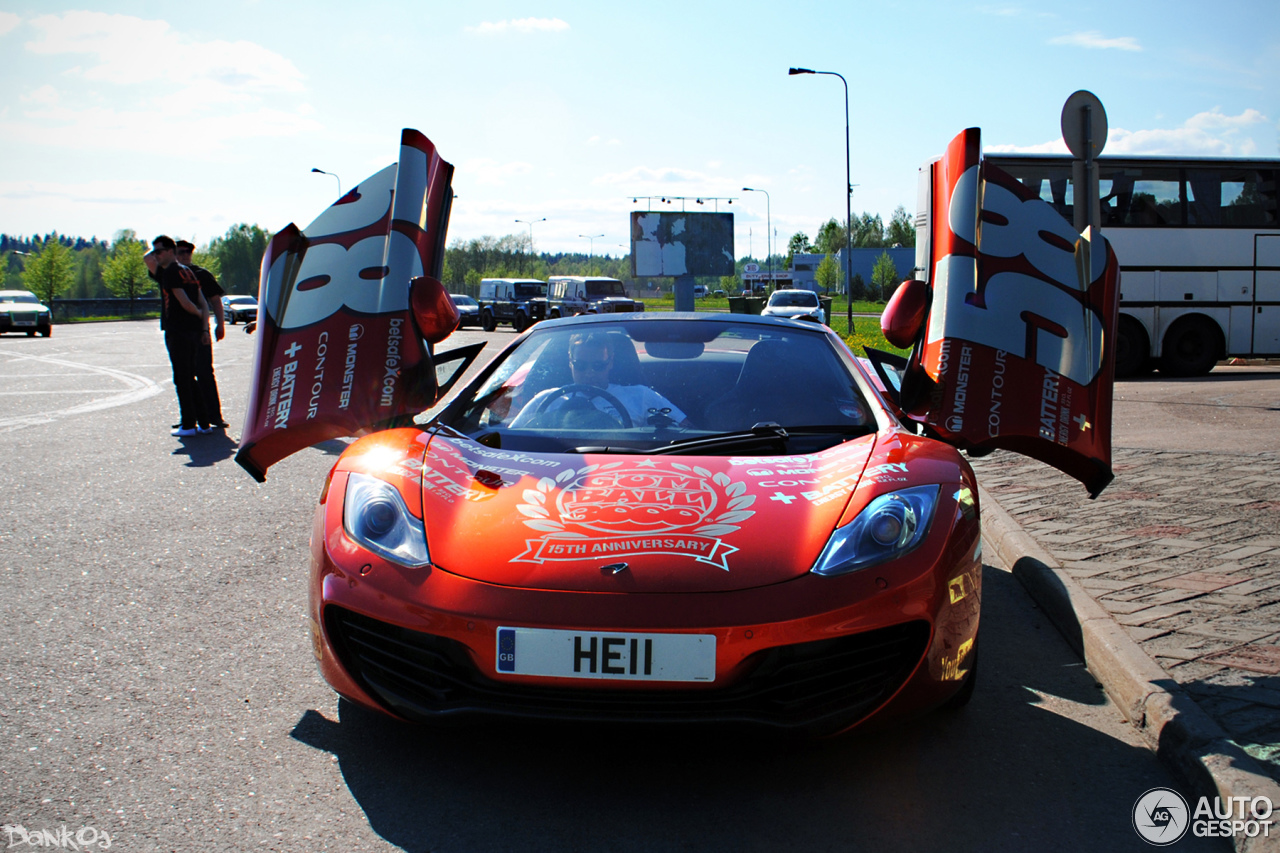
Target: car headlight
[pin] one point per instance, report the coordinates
(889, 526)
(375, 516)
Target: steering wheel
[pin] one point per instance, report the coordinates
(589, 392)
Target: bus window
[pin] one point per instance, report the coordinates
(1051, 183)
(1147, 196)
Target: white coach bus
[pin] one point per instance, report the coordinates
(1198, 240)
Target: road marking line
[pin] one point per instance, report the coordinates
(139, 388)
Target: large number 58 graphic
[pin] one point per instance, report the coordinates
(371, 276)
(1017, 312)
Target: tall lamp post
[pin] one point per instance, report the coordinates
(848, 196)
(768, 221)
(530, 222)
(335, 177)
(591, 245)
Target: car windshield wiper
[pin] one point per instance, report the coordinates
(767, 432)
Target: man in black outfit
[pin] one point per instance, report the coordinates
(186, 326)
(206, 383)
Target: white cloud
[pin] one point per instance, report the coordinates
(125, 50)
(45, 94)
(490, 172)
(151, 132)
(8, 21)
(519, 25)
(642, 176)
(175, 93)
(1055, 146)
(1210, 133)
(1096, 41)
(91, 192)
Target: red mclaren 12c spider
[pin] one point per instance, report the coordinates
(666, 517)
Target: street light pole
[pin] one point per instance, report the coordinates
(768, 221)
(848, 196)
(530, 222)
(591, 245)
(335, 177)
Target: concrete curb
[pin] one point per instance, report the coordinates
(1183, 736)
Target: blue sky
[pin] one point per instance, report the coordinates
(188, 118)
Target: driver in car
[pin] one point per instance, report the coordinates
(590, 360)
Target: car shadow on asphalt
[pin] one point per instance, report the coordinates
(1010, 771)
(205, 451)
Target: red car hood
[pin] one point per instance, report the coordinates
(679, 523)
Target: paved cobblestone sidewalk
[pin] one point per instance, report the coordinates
(1183, 549)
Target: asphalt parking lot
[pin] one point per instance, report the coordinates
(158, 684)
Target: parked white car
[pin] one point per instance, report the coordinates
(795, 304)
(22, 311)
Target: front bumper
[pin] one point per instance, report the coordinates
(814, 654)
(24, 321)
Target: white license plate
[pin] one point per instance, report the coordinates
(24, 321)
(607, 655)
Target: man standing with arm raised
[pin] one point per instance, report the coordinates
(206, 382)
(186, 328)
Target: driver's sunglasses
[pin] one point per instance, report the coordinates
(590, 364)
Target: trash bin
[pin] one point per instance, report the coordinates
(825, 303)
(746, 304)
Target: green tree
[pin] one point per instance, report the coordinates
(204, 257)
(50, 271)
(88, 283)
(884, 277)
(902, 229)
(798, 245)
(831, 238)
(868, 231)
(858, 287)
(239, 257)
(828, 274)
(4, 269)
(125, 273)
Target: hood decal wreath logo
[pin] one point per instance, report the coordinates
(624, 509)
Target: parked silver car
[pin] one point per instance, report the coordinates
(239, 309)
(22, 311)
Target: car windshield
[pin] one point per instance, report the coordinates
(463, 300)
(636, 386)
(605, 288)
(803, 298)
(24, 298)
(242, 300)
(530, 289)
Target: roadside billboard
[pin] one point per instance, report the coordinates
(677, 244)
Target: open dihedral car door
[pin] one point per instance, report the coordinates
(350, 310)
(1016, 349)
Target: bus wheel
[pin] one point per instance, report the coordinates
(486, 321)
(1132, 348)
(1192, 347)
